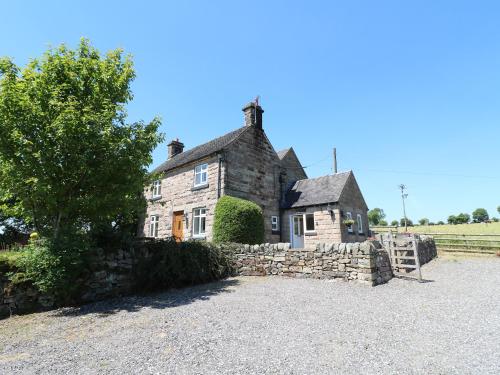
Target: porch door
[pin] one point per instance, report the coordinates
(178, 226)
(297, 229)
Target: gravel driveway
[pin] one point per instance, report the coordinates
(450, 325)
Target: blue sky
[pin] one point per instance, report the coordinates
(408, 91)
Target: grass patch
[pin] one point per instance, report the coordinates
(472, 229)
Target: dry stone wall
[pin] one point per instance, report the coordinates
(363, 262)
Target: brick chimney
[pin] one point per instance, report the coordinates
(175, 147)
(253, 115)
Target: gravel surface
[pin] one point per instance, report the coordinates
(449, 325)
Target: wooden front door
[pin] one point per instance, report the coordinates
(178, 226)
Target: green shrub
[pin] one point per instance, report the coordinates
(54, 268)
(238, 221)
(168, 264)
(9, 261)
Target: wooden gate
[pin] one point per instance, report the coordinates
(403, 253)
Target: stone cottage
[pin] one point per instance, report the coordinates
(244, 164)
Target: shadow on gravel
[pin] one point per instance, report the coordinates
(161, 300)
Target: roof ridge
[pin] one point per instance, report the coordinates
(202, 150)
(325, 176)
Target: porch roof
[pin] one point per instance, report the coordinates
(316, 191)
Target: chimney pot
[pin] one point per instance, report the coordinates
(174, 148)
(253, 115)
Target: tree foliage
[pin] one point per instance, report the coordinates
(239, 221)
(375, 216)
(409, 222)
(424, 221)
(461, 218)
(67, 157)
(480, 215)
(394, 223)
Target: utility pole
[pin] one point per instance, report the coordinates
(403, 197)
(335, 160)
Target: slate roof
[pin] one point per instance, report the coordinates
(315, 191)
(282, 153)
(200, 151)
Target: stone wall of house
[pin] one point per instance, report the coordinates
(252, 173)
(291, 171)
(363, 262)
(327, 225)
(178, 194)
(351, 200)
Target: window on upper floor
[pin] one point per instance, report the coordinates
(199, 221)
(275, 223)
(157, 188)
(359, 221)
(201, 175)
(153, 225)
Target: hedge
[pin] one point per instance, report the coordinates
(238, 221)
(170, 264)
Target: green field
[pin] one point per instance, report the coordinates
(478, 238)
(473, 229)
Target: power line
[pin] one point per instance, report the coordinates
(438, 174)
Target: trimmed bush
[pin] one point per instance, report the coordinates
(169, 264)
(238, 221)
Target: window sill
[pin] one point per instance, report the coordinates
(312, 233)
(361, 234)
(199, 238)
(199, 187)
(154, 199)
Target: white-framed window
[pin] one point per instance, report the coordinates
(349, 217)
(201, 174)
(359, 221)
(156, 188)
(309, 223)
(153, 225)
(275, 223)
(199, 221)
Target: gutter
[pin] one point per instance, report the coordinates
(220, 158)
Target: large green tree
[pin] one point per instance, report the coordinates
(375, 216)
(67, 156)
(480, 215)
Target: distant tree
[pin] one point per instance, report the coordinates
(383, 223)
(375, 216)
(494, 219)
(440, 222)
(431, 223)
(424, 221)
(408, 222)
(462, 218)
(394, 223)
(498, 209)
(452, 219)
(480, 215)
